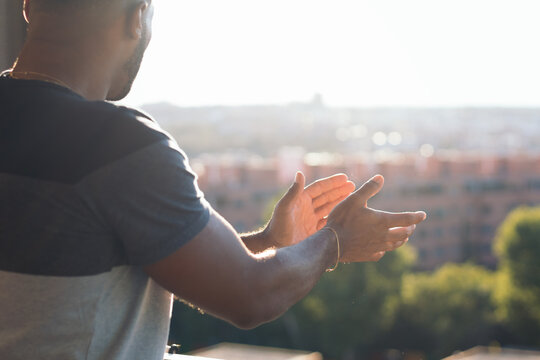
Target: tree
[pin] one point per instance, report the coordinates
(350, 309)
(447, 310)
(346, 312)
(517, 245)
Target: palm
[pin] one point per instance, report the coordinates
(302, 211)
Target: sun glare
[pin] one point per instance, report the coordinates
(362, 53)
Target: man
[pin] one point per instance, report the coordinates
(101, 219)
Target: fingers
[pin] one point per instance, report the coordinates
(321, 224)
(300, 179)
(400, 233)
(404, 218)
(389, 245)
(326, 209)
(322, 186)
(395, 238)
(369, 189)
(332, 195)
(377, 256)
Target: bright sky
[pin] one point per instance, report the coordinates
(353, 52)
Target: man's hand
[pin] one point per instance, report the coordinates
(302, 211)
(366, 234)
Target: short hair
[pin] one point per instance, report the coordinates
(77, 4)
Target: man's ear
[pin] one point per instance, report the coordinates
(135, 20)
(26, 11)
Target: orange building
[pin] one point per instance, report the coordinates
(466, 195)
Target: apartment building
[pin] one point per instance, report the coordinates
(466, 195)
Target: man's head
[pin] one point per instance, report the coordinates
(139, 26)
(118, 30)
(131, 67)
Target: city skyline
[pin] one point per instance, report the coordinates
(262, 130)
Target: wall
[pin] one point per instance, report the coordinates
(12, 31)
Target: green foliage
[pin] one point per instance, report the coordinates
(350, 308)
(360, 310)
(347, 311)
(518, 282)
(451, 309)
(518, 246)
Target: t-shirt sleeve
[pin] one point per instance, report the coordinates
(150, 200)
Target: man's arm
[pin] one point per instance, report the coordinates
(258, 241)
(216, 272)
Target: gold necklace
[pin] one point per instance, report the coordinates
(30, 75)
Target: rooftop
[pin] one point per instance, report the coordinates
(228, 351)
(495, 353)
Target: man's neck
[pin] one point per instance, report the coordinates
(74, 60)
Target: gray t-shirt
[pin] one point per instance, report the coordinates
(89, 194)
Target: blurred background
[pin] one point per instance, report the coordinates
(440, 97)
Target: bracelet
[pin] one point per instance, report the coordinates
(337, 241)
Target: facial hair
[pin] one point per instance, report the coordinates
(132, 66)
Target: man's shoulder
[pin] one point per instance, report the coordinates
(120, 127)
(39, 104)
(53, 134)
(119, 131)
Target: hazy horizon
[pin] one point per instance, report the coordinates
(359, 107)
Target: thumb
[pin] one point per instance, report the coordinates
(369, 189)
(296, 188)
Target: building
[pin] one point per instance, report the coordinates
(495, 353)
(466, 195)
(228, 351)
(12, 31)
